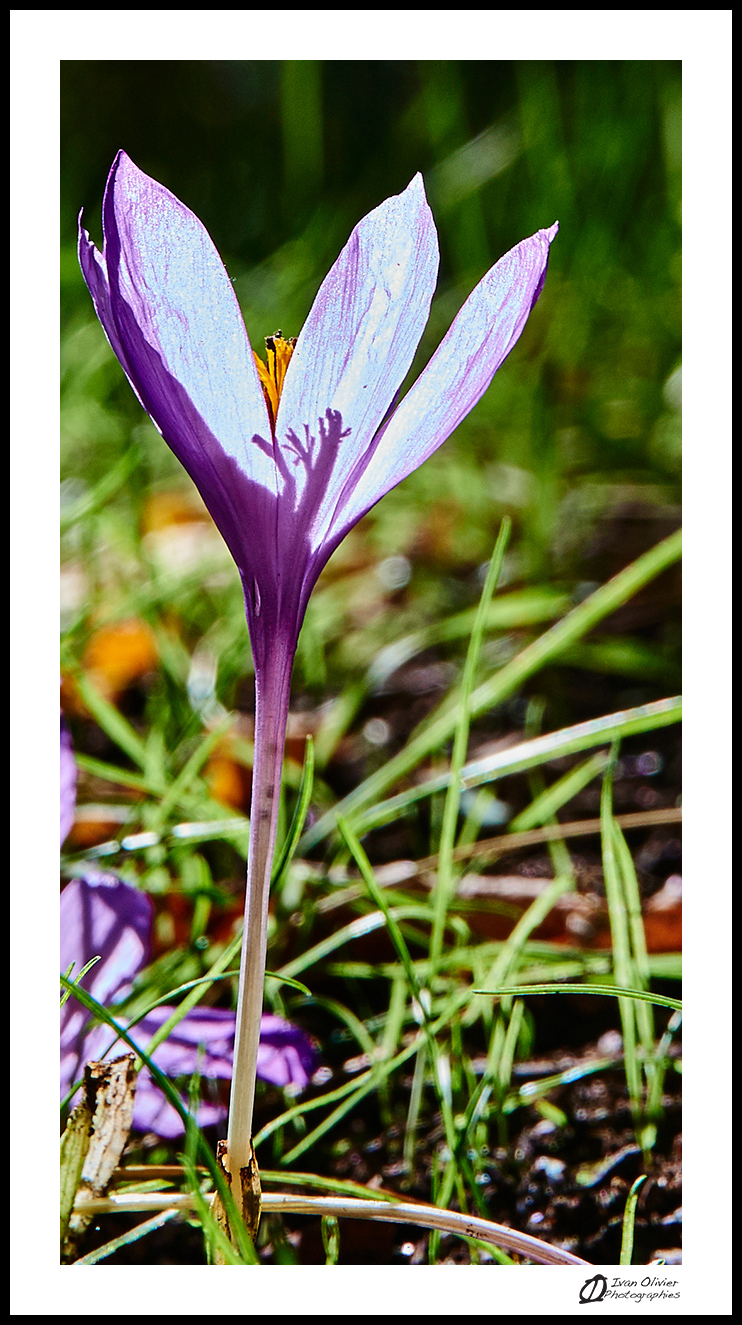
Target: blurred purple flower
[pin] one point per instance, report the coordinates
(67, 780)
(101, 915)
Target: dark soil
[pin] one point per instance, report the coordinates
(566, 1184)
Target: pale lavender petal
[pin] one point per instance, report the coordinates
(286, 1056)
(458, 374)
(153, 1113)
(100, 916)
(164, 270)
(355, 350)
(67, 781)
(203, 1041)
(171, 315)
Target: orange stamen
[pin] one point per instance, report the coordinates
(272, 373)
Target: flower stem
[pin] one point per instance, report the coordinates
(272, 686)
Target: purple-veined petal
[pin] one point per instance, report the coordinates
(459, 372)
(171, 315)
(67, 781)
(153, 1113)
(203, 1041)
(99, 916)
(355, 350)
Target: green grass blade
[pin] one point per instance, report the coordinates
(218, 968)
(113, 723)
(125, 1240)
(627, 1233)
(281, 866)
(445, 874)
(78, 978)
(529, 754)
(181, 785)
(363, 925)
(513, 946)
(331, 1239)
(603, 991)
(524, 607)
(548, 647)
(623, 965)
(379, 900)
(559, 793)
(172, 1096)
(352, 1092)
(111, 773)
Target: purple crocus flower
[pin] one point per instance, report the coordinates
(288, 455)
(103, 916)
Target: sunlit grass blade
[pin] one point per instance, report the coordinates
(559, 793)
(356, 928)
(126, 1239)
(531, 1091)
(530, 754)
(603, 991)
(181, 785)
(444, 880)
(77, 979)
(341, 1186)
(525, 607)
(548, 647)
(113, 723)
(627, 1231)
(282, 863)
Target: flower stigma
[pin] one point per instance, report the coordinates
(278, 352)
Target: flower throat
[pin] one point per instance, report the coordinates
(278, 353)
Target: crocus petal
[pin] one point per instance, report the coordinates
(203, 1041)
(100, 916)
(458, 374)
(355, 350)
(170, 313)
(153, 1113)
(286, 1055)
(67, 781)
